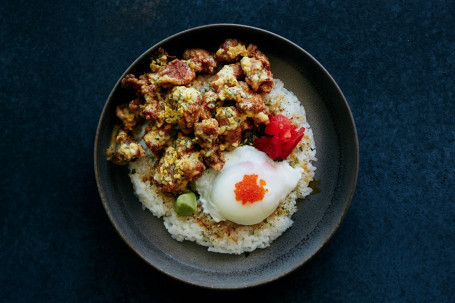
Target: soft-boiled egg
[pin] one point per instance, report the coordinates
(248, 188)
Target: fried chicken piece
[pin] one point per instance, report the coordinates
(209, 100)
(227, 82)
(131, 82)
(231, 139)
(188, 104)
(231, 127)
(179, 165)
(189, 159)
(145, 87)
(203, 61)
(160, 59)
(177, 72)
(231, 50)
(168, 177)
(252, 105)
(192, 165)
(150, 89)
(129, 114)
(214, 157)
(227, 76)
(184, 144)
(234, 93)
(135, 105)
(206, 135)
(253, 51)
(123, 147)
(258, 76)
(158, 138)
(206, 132)
(153, 112)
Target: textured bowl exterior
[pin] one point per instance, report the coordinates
(318, 215)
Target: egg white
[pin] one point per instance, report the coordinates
(216, 189)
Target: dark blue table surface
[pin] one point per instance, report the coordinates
(395, 63)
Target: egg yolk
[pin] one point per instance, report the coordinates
(248, 189)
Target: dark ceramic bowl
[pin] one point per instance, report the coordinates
(318, 215)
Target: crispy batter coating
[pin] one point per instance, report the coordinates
(206, 132)
(131, 82)
(190, 158)
(258, 77)
(148, 104)
(158, 138)
(203, 61)
(179, 165)
(214, 157)
(253, 106)
(253, 51)
(153, 111)
(160, 59)
(177, 72)
(231, 127)
(188, 104)
(124, 148)
(209, 101)
(233, 93)
(227, 76)
(129, 114)
(206, 135)
(230, 50)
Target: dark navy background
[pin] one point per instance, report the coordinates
(395, 63)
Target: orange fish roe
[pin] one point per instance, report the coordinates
(248, 189)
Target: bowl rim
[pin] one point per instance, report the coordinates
(236, 26)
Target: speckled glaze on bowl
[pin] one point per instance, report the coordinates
(318, 215)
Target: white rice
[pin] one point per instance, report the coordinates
(228, 237)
